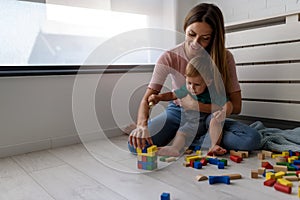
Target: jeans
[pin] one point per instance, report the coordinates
(236, 135)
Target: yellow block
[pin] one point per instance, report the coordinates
(279, 174)
(188, 159)
(285, 153)
(152, 149)
(285, 182)
(276, 155)
(270, 175)
(138, 150)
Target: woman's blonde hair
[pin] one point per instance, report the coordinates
(212, 15)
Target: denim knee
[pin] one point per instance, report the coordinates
(239, 136)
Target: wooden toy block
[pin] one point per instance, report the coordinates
(213, 161)
(163, 158)
(278, 168)
(197, 148)
(254, 174)
(244, 154)
(192, 163)
(188, 151)
(280, 159)
(236, 159)
(279, 175)
(203, 161)
(267, 153)
(221, 165)
(282, 188)
(285, 182)
(266, 165)
(192, 158)
(197, 165)
(276, 155)
(261, 156)
(207, 157)
(233, 176)
(290, 173)
(270, 175)
(291, 178)
(299, 192)
(165, 196)
(269, 182)
(237, 153)
(152, 149)
(198, 152)
(138, 150)
(283, 163)
(261, 170)
(186, 164)
(170, 159)
(201, 177)
(285, 153)
(296, 167)
(224, 161)
(296, 162)
(219, 179)
(291, 159)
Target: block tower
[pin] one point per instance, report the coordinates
(147, 158)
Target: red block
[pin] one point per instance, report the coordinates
(267, 165)
(270, 182)
(203, 161)
(236, 159)
(283, 188)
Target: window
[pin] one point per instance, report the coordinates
(67, 32)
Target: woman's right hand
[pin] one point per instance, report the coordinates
(154, 98)
(140, 137)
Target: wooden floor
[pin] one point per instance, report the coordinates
(106, 170)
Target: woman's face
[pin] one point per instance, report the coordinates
(197, 35)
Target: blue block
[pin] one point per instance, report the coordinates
(197, 165)
(296, 162)
(197, 148)
(213, 161)
(165, 196)
(296, 167)
(131, 148)
(221, 165)
(219, 179)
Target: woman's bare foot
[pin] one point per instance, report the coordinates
(168, 151)
(217, 150)
(127, 130)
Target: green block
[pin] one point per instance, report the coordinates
(224, 161)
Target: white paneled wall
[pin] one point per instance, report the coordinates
(268, 65)
(238, 10)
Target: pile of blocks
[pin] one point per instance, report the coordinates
(283, 173)
(197, 161)
(147, 157)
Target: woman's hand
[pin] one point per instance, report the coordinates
(153, 98)
(140, 137)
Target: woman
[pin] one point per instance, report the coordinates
(204, 29)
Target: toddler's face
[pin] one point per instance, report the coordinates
(195, 85)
